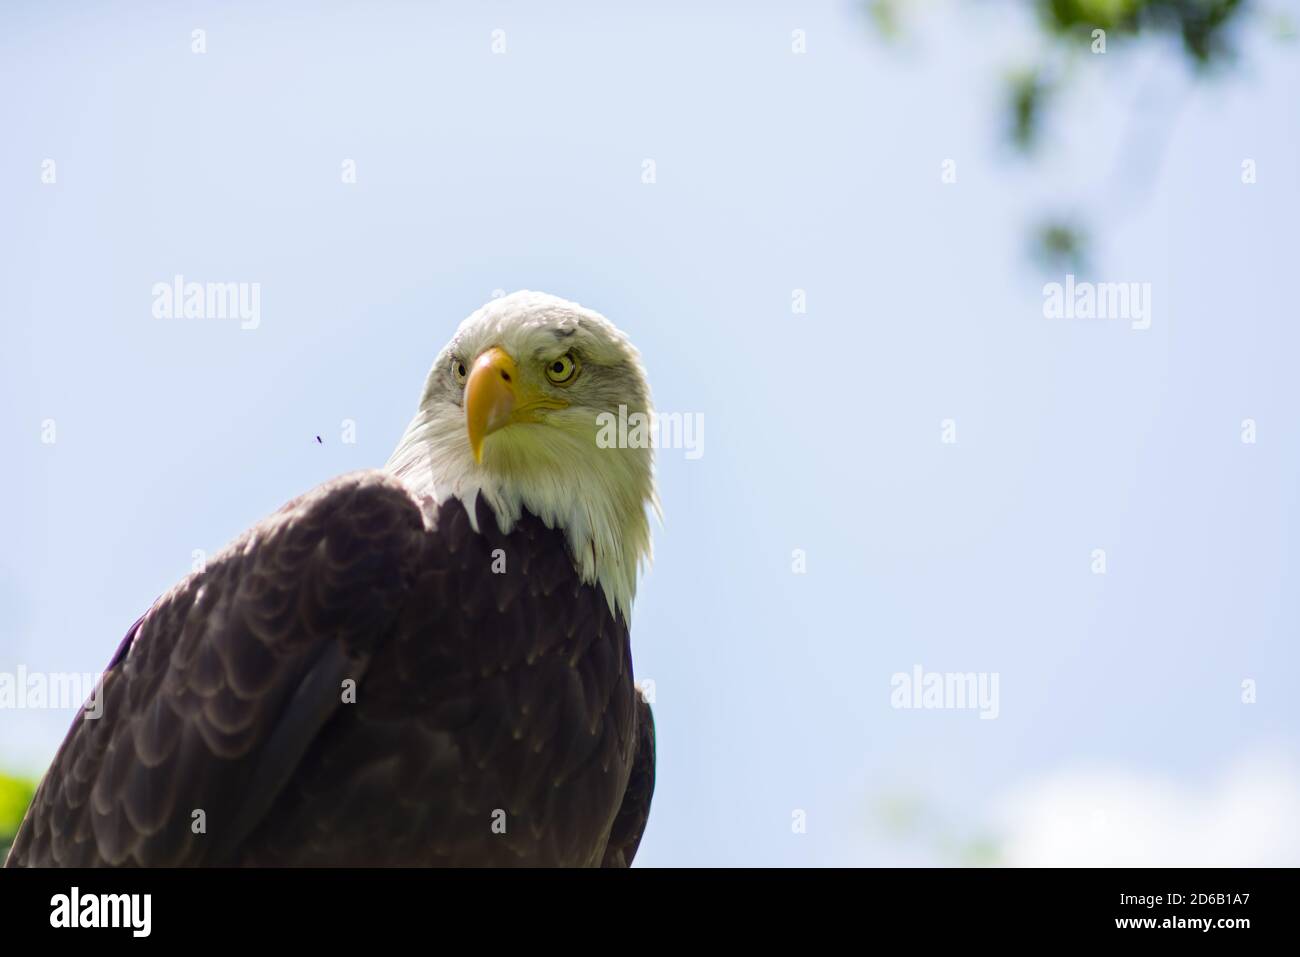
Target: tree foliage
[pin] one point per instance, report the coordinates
(15, 795)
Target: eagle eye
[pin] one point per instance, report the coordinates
(458, 370)
(563, 369)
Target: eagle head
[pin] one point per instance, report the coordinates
(522, 408)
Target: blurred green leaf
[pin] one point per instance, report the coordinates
(1060, 244)
(886, 17)
(980, 852)
(15, 795)
(1028, 94)
(1203, 25)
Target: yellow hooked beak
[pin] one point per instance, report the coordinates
(495, 397)
(490, 397)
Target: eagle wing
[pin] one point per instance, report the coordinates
(629, 825)
(223, 685)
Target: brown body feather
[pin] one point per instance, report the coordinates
(494, 722)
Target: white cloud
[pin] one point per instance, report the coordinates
(1248, 816)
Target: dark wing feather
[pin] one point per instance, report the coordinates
(629, 825)
(226, 682)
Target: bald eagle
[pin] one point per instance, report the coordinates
(427, 664)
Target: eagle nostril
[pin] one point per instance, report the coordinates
(505, 375)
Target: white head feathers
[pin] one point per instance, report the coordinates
(546, 459)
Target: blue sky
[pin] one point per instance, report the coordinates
(479, 171)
